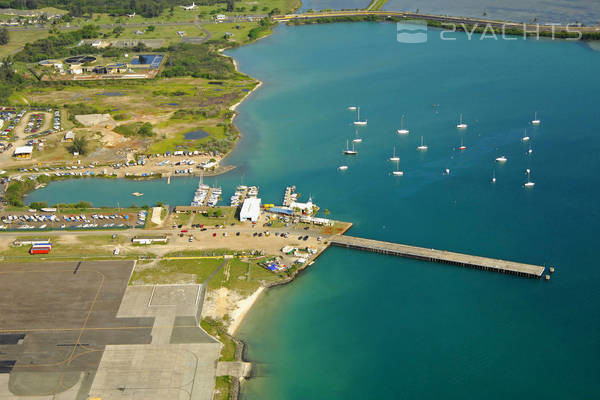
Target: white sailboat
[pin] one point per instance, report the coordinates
(348, 151)
(358, 122)
(529, 184)
(402, 131)
(501, 159)
(525, 138)
(356, 139)
(461, 124)
(462, 145)
(422, 147)
(352, 108)
(394, 157)
(397, 172)
(494, 177)
(530, 149)
(343, 167)
(535, 120)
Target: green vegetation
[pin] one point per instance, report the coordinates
(38, 205)
(79, 145)
(376, 5)
(223, 387)
(136, 128)
(59, 45)
(218, 215)
(9, 80)
(4, 36)
(16, 190)
(217, 329)
(263, 28)
(172, 271)
(199, 61)
(243, 276)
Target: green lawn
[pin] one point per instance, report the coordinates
(228, 217)
(174, 271)
(17, 40)
(244, 277)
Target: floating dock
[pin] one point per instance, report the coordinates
(439, 256)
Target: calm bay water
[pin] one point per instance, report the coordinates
(358, 325)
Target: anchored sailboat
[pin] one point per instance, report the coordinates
(525, 138)
(356, 138)
(529, 184)
(422, 146)
(462, 145)
(402, 131)
(461, 124)
(394, 157)
(397, 172)
(348, 151)
(535, 121)
(358, 122)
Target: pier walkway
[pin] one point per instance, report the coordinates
(440, 256)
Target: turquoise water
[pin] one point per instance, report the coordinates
(359, 325)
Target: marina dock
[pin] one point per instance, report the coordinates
(439, 256)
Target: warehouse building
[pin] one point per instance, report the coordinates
(250, 210)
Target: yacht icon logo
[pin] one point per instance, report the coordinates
(412, 31)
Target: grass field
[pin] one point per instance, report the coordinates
(176, 271)
(243, 277)
(17, 40)
(227, 219)
(153, 101)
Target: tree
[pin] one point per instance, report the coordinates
(146, 130)
(79, 145)
(4, 36)
(38, 205)
(150, 28)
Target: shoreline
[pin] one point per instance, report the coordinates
(244, 306)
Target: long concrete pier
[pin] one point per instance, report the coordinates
(439, 256)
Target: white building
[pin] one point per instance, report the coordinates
(221, 17)
(306, 208)
(23, 152)
(250, 210)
